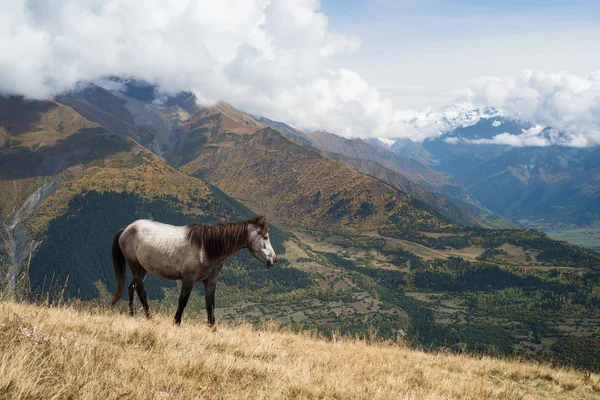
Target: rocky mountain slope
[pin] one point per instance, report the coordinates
(436, 189)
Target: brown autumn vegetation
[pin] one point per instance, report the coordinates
(89, 354)
(269, 172)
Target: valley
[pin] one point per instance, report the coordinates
(586, 237)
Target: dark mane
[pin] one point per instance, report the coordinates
(221, 240)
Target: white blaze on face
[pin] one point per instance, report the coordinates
(261, 247)
(268, 250)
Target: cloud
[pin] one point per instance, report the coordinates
(567, 102)
(536, 136)
(272, 58)
(266, 57)
(510, 139)
(567, 105)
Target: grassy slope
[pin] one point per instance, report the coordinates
(38, 140)
(64, 353)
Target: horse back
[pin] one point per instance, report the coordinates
(162, 249)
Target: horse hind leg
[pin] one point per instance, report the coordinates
(141, 291)
(131, 295)
(139, 273)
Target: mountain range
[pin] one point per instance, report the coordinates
(548, 187)
(369, 235)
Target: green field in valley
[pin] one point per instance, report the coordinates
(587, 237)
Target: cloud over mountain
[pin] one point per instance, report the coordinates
(267, 57)
(564, 101)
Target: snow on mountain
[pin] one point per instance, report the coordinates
(387, 142)
(419, 125)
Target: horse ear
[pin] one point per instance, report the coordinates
(261, 222)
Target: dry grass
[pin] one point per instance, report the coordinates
(64, 353)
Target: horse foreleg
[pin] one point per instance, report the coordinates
(131, 294)
(209, 295)
(186, 289)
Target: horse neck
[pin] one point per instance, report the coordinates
(237, 243)
(240, 244)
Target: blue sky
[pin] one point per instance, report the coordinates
(423, 52)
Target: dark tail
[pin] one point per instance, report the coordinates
(119, 264)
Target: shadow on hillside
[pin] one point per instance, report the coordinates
(80, 148)
(17, 114)
(101, 106)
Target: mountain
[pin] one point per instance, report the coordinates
(549, 187)
(138, 119)
(296, 135)
(438, 190)
(461, 113)
(459, 151)
(262, 167)
(61, 174)
(269, 172)
(172, 132)
(546, 187)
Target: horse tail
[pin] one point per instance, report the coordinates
(119, 264)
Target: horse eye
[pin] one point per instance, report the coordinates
(266, 238)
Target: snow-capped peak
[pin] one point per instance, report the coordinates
(430, 122)
(387, 142)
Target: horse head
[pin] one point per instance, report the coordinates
(259, 242)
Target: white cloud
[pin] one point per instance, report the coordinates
(271, 58)
(509, 139)
(536, 136)
(386, 141)
(266, 57)
(568, 102)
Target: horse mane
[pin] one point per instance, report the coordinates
(219, 240)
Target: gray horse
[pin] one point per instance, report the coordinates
(191, 253)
